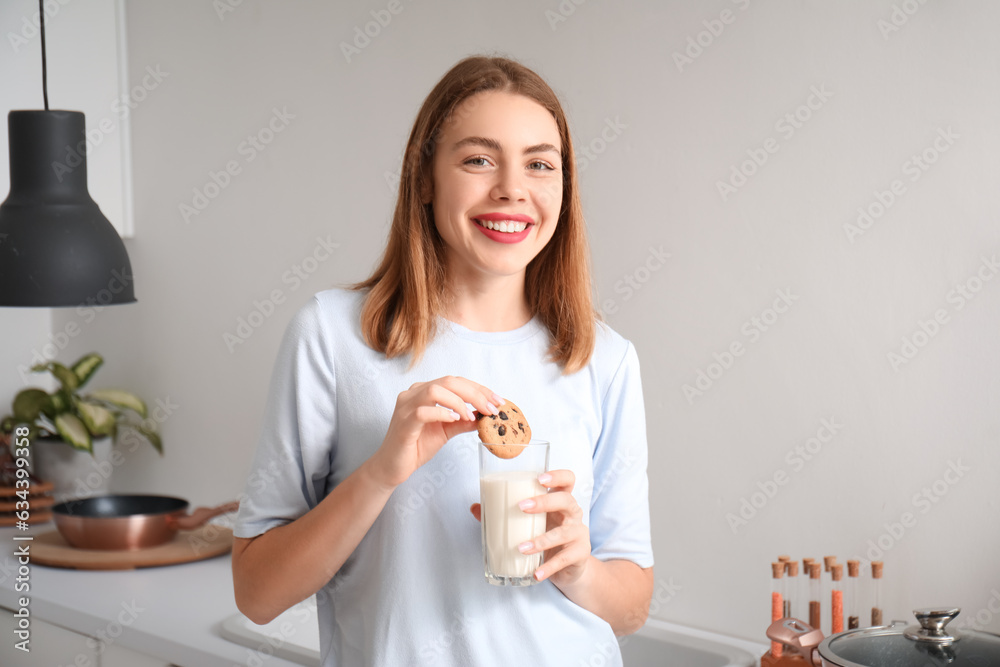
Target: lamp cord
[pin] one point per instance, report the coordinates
(45, 73)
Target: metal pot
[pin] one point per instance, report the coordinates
(128, 522)
(926, 645)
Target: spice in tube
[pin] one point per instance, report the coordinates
(853, 570)
(877, 592)
(777, 609)
(837, 599)
(814, 592)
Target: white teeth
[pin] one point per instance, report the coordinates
(508, 226)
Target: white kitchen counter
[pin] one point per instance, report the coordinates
(173, 613)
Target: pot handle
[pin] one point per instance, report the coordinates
(798, 636)
(200, 516)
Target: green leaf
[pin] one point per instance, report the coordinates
(132, 432)
(29, 403)
(154, 439)
(8, 425)
(99, 420)
(73, 431)
(86, 366)
(122, 399)
(65, 376)
(152, 436)
(59, 402)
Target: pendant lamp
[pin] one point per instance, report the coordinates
(56, 247)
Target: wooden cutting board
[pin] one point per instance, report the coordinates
(187, 546)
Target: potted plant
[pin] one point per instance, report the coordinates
(68, 421)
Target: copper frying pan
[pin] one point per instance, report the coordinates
(129, 522)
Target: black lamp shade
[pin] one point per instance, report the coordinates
(56, 247)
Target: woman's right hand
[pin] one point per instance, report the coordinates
(428, 415)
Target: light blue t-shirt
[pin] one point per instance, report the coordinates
(413, 592)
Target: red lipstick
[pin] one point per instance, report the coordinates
(500, 236)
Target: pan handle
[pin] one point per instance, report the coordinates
(200, 516)
(797, 636)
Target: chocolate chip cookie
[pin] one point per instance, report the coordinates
(505, 434)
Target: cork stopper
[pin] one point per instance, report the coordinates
(853, 568)
(784, 559)
(792, 568)
(814, 570)
(828, 561)
(806, 562)
(876, 569)
(837, 570)
(777, 569)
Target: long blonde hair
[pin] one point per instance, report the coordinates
(406, 292)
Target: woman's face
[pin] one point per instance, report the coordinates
(497, 184)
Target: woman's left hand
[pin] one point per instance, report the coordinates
(566, 542)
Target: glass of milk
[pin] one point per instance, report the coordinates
(503, 483)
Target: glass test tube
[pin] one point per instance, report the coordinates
(804, 587)
(837, 599)
(877, 592)
(814, 593)
(791, 587)
(853, 610)
(783, 561)
(776, 602)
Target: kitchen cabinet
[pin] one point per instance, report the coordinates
(119, 656)
(49, 645)
(52, 645)
(157, 616)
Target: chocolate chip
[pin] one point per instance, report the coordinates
(503, 415)
(520, 425)
(502, 430)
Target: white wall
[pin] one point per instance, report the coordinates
(679, 131)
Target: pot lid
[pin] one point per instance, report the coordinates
(928, 644)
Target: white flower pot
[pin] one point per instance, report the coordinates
(74, 473)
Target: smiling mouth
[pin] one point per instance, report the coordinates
(505, 226)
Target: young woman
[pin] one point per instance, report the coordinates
(366, 470)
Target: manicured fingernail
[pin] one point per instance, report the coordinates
(455, 415)
(472, 417)
(493, 408)
(526, 504)
(498, 400)
(524, 547)
(544, 478)
(539, 574)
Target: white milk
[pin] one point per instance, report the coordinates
(505, 525)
